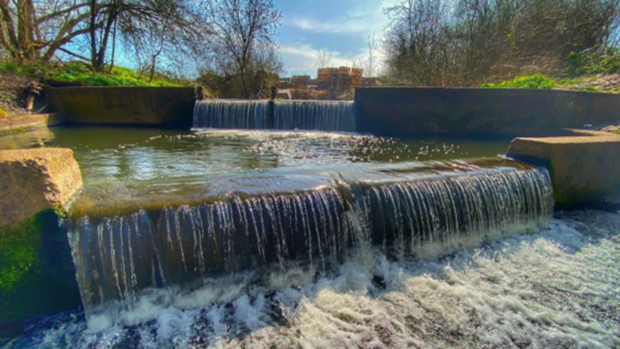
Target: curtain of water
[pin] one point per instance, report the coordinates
(231, 114)
(117, 257)
(314, 115)
(302, 115)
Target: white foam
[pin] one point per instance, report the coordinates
(555, 288)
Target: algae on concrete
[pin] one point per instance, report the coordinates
(37, 276)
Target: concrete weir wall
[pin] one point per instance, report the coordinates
(156, 106)
(401, 111)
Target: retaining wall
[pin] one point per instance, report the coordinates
(402, 111)
(155, 106)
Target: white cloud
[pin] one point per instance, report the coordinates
(302, 58)
(363, 20)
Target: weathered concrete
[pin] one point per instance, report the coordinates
(160, 106)
(29, 122)
(403, 111)
(582, 167)
(33, 180)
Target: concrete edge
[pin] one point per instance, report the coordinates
(583, 167)
(22, 123)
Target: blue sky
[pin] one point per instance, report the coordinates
(341, 27)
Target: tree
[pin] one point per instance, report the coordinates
(371, 61)
(323, 58)
(145, 25)
(32, 30)
(243, 47)
(466, 42)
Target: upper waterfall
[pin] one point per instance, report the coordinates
(279, 115)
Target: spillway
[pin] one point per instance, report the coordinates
(279, 115)
(117, 257)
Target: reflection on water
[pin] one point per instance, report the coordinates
(21, 140)
(130, 162)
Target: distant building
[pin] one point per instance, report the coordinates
(301, 81)
(343, 78)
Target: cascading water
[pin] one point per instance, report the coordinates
(289, 115)
(314, 115)
(117, 257)
(231, 114)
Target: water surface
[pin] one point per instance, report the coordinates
(120, 164)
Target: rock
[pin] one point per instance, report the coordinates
(582, 167)
(33, 180)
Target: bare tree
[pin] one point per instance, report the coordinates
(371, 61)
(466, 42)
(176, 26)
(243, 43)
(35, 30)
(323, 58)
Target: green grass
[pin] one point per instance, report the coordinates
(536, 81)
(81, 72)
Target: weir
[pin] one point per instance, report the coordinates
(233, 114)
(314, 115)
(117, 257)
(278, 115)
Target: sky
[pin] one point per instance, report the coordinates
(341, 27)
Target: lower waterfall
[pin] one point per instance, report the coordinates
(117, 257)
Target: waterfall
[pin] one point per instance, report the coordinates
(231, 114)
(289, 115)
(117, 257)
(314, 115)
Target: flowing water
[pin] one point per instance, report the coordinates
(279, 115)
(314, 115)
(217, 237)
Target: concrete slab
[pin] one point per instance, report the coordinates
(33, 180)
(584, 167)
(29, 122)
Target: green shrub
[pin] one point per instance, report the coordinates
(536, 81)
(81, 72)
(595, 62)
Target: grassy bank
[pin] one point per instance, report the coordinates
(80, 72)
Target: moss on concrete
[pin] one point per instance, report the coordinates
(37, 276)
(18, 252)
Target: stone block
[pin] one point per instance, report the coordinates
(582, 168)
(33, 180)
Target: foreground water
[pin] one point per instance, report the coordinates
(559, 287)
